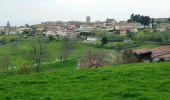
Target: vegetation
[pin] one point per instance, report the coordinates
(67, 46)
(144, 20)
(38, 53)
(129, 56)
(104, 41)
(19, 51)
(149, 81)
(61, 80)
(5, 38)
(169, 19)
(153, 36)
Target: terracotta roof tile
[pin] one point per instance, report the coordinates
(142, 51)
(161, 50)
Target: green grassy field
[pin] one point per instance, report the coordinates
(18, 51)
(143, 81)
(63, 81)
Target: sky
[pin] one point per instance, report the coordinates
(20, 12)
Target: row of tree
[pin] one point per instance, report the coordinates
(145, 20)
(152, 36)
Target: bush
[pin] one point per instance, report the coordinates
(51, 38)
(104, 41)
(118, 38)
(129, 57)
(109, 46)
(24, 69)
(96, 44)
(153, 36)
(121, 45)
(98, 60)
(12, 39)
(3, 40)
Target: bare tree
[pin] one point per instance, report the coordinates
(38, 52)
(66, 47)
(5, 62)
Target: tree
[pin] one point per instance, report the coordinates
(27, 25)
(169, 19)
(51, 38)
(128, 56)
(5, 62)
(38, 52)
(104, 41)
(132, 17)
(66, 47)
(145, 20)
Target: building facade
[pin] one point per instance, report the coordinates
(88, 19)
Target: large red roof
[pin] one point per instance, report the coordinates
(161, 50)
(142, 51)
(155, 52)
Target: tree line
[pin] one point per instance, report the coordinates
(144, 20)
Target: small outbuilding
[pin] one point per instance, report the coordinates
(161, 53)
(157, 54)
(144, 54)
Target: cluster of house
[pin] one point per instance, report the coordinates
(157, 54)
(66, 28)
(160, 24)
(12, 29)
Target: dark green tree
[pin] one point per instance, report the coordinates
(51, 38)
(132, 17)
(169, 20)
(104, 41)
(145, 20)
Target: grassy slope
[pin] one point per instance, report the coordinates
(19, 51)
(149, 46)
(150, 81)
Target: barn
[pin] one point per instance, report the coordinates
(161, 53)
(144, 54)
(157, 54)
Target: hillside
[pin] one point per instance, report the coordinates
(19, 51)
(143, 81)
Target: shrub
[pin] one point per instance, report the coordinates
(109, 46)
(153, 36)
(24, 69)
(98, 60)
(51, 38)
(3, 40)
(129, 57)
(104, 41)
(12, 39)
(96, 44)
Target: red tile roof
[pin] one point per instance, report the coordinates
(142, 51)
(161, 50)
(155, 52)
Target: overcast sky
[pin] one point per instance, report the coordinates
(19, 12)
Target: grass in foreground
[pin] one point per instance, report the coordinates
(143, 81)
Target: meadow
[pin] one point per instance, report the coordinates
(142, 81)
(64, 81)
(20, 49)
